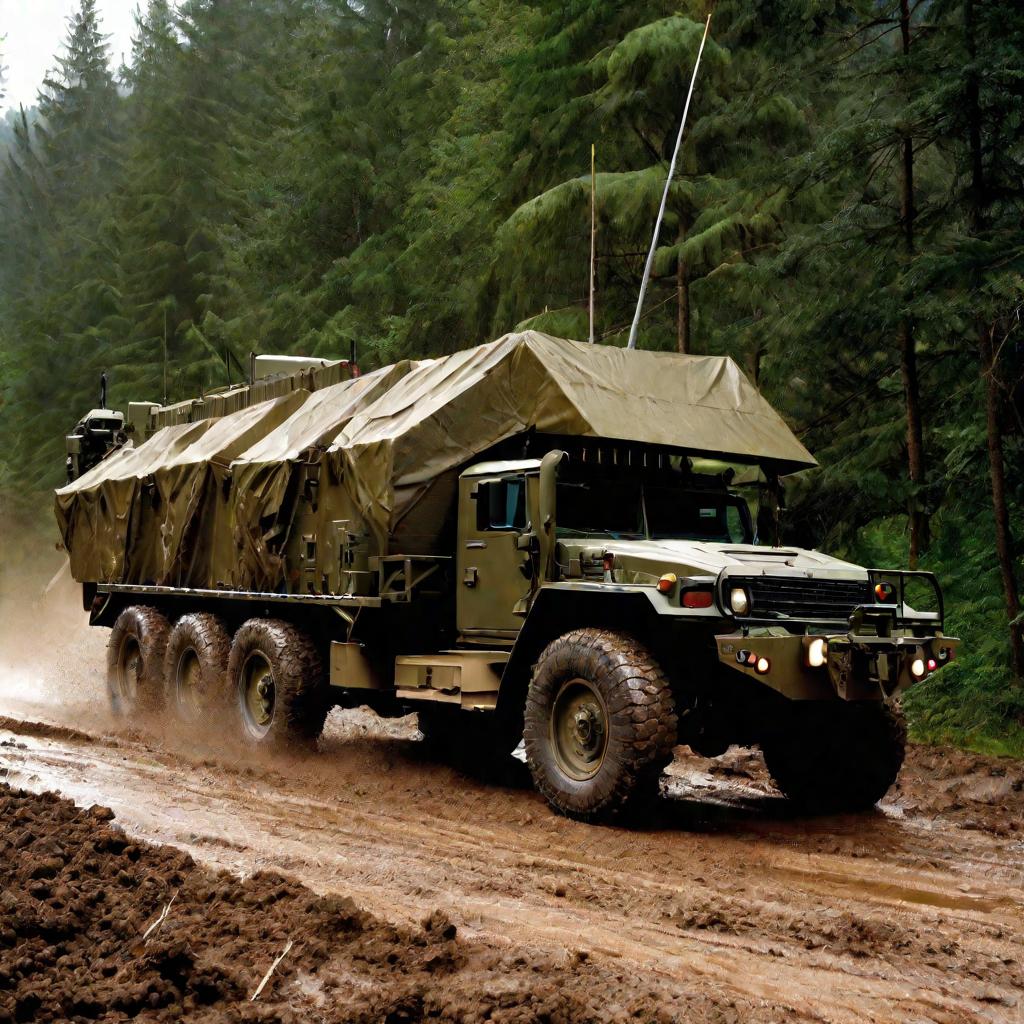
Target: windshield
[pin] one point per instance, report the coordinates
(637, 510)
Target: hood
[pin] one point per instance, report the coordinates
(700, 558)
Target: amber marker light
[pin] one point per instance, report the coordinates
(883, 592)
(667, 584)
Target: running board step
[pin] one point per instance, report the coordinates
(467, 678)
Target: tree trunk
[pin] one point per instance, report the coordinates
(997, 472)
(919, 532)
(683, 302)
(683, 316)
(988, 358)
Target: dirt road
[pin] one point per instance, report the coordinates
(912, 913)
(721, 907)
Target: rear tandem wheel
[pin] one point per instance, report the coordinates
(195, 669)
(278, 684)
(135, 661)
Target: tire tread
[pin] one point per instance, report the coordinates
(640, 707)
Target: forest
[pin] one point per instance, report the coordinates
(413, 177)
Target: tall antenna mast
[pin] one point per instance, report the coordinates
(593, 232)
(664, 198)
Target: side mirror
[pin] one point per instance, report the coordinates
(548, 479)
(548, 511)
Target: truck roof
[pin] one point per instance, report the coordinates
(103, 414)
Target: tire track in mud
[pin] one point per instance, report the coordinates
(886, 916)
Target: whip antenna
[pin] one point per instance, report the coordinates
(664, 198)
(593, 231)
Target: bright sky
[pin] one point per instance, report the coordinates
(35, 30)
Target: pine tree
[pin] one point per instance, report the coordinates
(56, 232)
(78, 110)
(192, 94)
(987, 262)
(627, 96)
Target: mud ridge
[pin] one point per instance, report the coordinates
(44, 730)
(97, 927)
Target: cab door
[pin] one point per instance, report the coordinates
(493, 574)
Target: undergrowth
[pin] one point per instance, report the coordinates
(974, 702)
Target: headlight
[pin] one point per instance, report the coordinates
(738, 601)
(816, 652)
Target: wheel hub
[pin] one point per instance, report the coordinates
(128, 677)
(189, 684)
(258, 696)
(588, 726)
(579, 729)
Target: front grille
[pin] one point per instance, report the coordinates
(794, 598)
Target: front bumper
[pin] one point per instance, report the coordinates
(856, 666)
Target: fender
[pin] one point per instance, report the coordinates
(557, 609)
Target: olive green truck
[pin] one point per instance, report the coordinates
(536, 541)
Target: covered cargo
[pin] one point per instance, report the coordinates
(378, 457)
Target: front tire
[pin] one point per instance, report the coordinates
(600, 723)
(277, 677)
(837, 756)
(135, 661)
(195, 667)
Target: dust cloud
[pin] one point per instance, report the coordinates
(51, 661)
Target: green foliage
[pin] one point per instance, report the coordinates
(413, 177)
(974, 701)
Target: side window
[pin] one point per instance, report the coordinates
(501, 504)
(737, 527)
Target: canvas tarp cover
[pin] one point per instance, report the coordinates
(395, 441)
(260, 476)
(126, 519)
(95, 512)
(410, 442)
(179, 533)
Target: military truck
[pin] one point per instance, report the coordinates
(533, 541)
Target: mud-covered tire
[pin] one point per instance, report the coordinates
(135, 661)
(195, 668)
(837, 756)
(287, 661)
(612, 683)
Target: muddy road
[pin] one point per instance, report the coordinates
(719, 906)
(914, 912)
